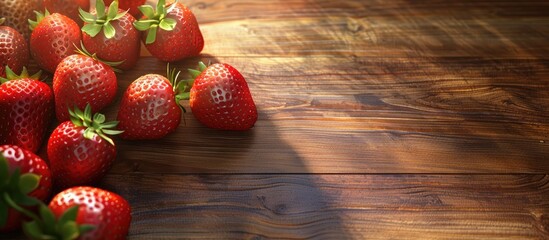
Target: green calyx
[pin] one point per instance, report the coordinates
(102, 20)
(2, 20)
(39, 17)
(180, 88)
(15, 189)
(10, 75)
(155, 19)
(83, 51)
(48, 227)
(94, 126)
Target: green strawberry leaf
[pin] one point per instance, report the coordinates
(147, 10)
(69, 215)
(3, 212)
(109, 125)
(85, 228)
(48, 218)
(109, 30)
(160, 9)
(28, 201)
(28, 182)
(142, 26)
(100, 8)
(86, 16)
(92, 29)
(151, 37)
(33, 230)
(113, 10)
(112, 132)
(120, 15)
(4, 170)
(89, 133)
(69, 230)
(99, 118)
(168, 24)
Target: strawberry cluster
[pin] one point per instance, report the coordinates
(85, 50)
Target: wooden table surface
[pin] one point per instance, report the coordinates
(377, 119)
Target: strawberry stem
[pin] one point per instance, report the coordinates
(14, 205)
(101, 21)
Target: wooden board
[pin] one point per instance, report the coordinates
(377, 120)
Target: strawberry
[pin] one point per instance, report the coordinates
(82, 213)
(14, 51)
(53, 38)
(220, 98)
(17, 14)
(81, 79)
(118, 42)
(150, 107)
(171, 34)
(26, 107)
(79, 151)
(23, 177)
(131, 5)
(68, 8)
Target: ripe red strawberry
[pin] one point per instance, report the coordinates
(111, 35)
(150, 107)
(81, 79)
(23, 177)
(68, 8)
(131, 5)
(17, 14)
(26, 110)
(53, 38)
(171, 34)
(14, 51)
(79, 151)
(82, 213)
(220, 98)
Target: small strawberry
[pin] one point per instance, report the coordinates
(220, 98)
(53, 38)
(150, 107)
(171, 34)
(14, 51)
(131, 5)
(68, 8)
(26, 110)
(82, 213)
(17, 14)
(81, 79)
(79, 151)
(23, 177)
(118, 42)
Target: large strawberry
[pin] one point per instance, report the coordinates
(170, 34)
(82, 213)
(81, 79)
(220, 98)
(14, 51)
(79, 151)
(111, 35)
(150, 107)
(131, 5)
(18, 12)
(53, 38)
(68, 8)
(26, 110)
(23, 177)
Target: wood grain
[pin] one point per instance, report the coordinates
(365, 115)
(336, 206)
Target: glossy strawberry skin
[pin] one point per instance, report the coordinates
(68, 8)
(107, 211)
(75, 160)
(129, 4)
(148, 109)
(124, 46)
(80, 80)
(220, 98)
(184, 41)
(53, 39)
(14, 51)
(27, 162)
(26, 109)
(17, 14)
